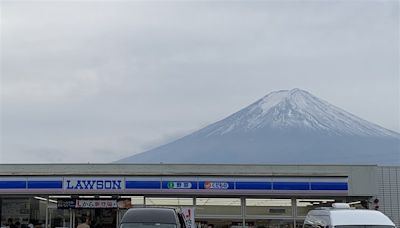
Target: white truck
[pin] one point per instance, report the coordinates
(341, 215)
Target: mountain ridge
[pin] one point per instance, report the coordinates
(283, 127)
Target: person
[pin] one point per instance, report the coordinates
(30, 224)
(10, 223)
(85, 223)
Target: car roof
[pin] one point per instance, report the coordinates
(359, 217)
(150, 215)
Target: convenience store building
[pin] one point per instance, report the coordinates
(59, 195)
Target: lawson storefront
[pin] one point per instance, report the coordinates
(219, 195)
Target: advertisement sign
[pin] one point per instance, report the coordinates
(188, 214)
(179, 185)
(216, 185)
(94, 183)
(96, 204)
(66, 204)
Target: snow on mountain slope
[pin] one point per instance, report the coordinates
(297, 109)
(284, 127)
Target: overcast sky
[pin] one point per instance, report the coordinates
(97, 81)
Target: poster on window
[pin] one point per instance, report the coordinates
(188, 214)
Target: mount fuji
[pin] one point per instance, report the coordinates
(284, 127)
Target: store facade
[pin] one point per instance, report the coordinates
(219, 195)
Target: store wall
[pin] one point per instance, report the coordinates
(388, 182)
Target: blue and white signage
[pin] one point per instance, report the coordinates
(94, 183)
(179, 184)
(118, 184)
(216, 185)
(143, 183)
(253, 185)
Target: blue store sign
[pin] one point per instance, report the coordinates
(118, 184)
(94, 183)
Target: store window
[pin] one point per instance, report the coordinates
(136, 201)
(23, 211)
(270, 223)
(271, 207)
(220, 223)
(174, 202)
(15, 210)
(218, 206)
(59, 217)
(305, 205)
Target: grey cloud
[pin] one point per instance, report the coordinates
(122, 76)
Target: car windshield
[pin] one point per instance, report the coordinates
(364, 226)
(147, 225)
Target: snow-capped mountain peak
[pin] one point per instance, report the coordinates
(296, 109)
(274, 98)
(284, 127)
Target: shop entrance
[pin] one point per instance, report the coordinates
(100, 213)
(98, 217)
(71, 218)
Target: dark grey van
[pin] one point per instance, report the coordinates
(152, 218)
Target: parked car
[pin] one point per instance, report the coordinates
(341, 215)
(152, 218)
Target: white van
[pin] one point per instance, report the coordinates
(340, 215)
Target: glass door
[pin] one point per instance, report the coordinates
(59, 218)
